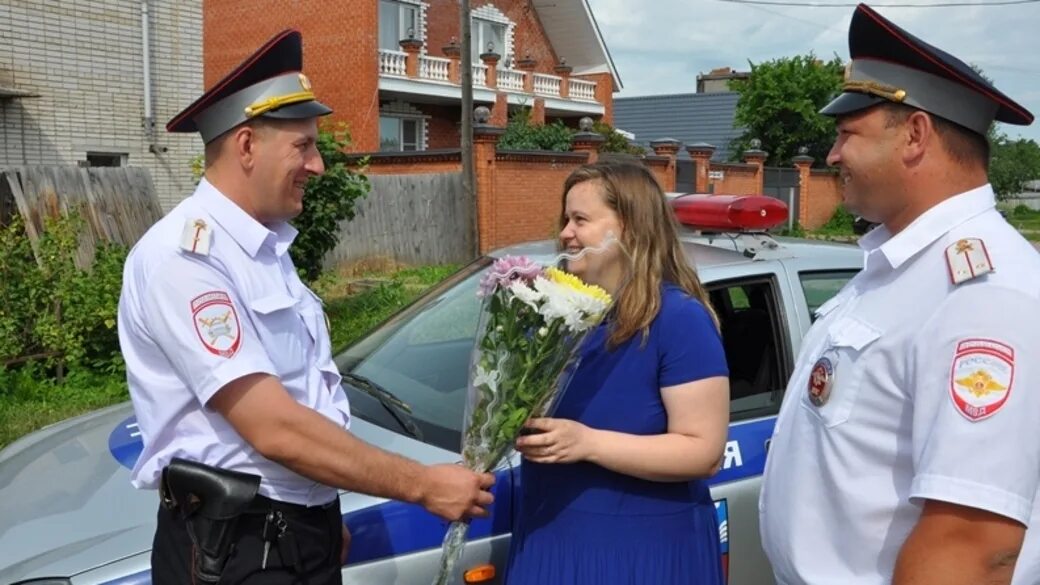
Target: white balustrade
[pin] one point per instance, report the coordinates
(547, 84)
(392, 62)
(579, 89)
(435, 68)
(510, 79)
(480, 74)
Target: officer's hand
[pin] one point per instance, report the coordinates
(456, 493)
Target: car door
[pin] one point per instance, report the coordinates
(763, 319)
(752, 312)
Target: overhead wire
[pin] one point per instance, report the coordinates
(888, 5)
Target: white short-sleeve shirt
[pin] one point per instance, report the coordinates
(189, 323)
(933, 393)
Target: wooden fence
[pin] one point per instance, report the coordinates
(417, 219)
(117, 204)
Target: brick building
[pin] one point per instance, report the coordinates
(390, 68)
(73, 85)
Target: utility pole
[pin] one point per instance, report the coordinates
(466, 80)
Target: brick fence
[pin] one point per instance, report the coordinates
(519, 192)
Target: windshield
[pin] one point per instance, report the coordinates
(421, 355)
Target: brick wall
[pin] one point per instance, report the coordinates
(528, 36)
(604, 93)
(443, 126)
(85, 63)
(737, 179)
(660, 167)
(519, 193)
(822, 200)
(526, 199)
(340, 52)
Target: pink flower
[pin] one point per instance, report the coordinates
(505, 271)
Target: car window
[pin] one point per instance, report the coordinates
(819, 287)
(422, 356)
(750, 322)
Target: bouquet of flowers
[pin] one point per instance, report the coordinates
(532, 322)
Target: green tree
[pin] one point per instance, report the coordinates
(1012, 164)
(328, 199)
(780, 102)
(616, 141)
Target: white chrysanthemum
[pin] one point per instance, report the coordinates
(523, 292)
(486, 378)
(563, 303)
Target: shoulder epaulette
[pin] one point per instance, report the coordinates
(966, 259)
(196, 236)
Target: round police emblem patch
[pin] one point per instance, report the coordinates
(820, 381)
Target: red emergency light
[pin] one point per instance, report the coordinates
(726, 213)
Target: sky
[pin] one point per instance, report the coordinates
(660, 46)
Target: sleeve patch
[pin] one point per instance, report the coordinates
(981, 377)
(216, 323)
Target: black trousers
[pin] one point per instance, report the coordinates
(316, 542)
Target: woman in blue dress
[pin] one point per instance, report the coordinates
(612, 487)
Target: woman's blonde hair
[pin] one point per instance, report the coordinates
(650, 241)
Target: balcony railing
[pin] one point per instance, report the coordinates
(393, 62)
(442, 70)
(435, 68)
(511, 79)
(547, 84)
(480, 74)
(580, 89)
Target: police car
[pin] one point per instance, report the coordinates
(68, 514)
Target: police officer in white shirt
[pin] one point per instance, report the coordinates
(239, 404)
(907, 449)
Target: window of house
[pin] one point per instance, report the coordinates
(819, 287)
(396, 21)
(486, 32)
(400, 134)
(106, 159)
(752, 327)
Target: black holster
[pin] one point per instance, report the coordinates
(210, 501)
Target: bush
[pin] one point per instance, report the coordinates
(796, 231)
(521, 134)
(56, 314)
(839, 224)
(328, 199)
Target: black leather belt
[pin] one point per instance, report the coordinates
(263, 505)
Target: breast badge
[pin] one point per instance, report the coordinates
(821, 379)
(981, 377)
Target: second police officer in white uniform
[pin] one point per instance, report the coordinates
(238, 401)
(907, 449)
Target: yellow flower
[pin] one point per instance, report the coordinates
(574, 283)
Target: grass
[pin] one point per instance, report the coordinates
(1025, 220)
(357, 298)
(31, 401)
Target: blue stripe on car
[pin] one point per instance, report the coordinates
(395, 528)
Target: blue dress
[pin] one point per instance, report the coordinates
(582, 524)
